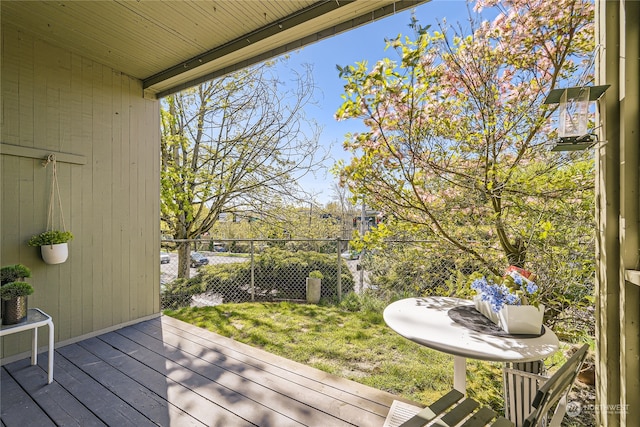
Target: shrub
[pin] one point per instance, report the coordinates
(15, 289)
(286, 271)
(322, 247)
(315, 274)
(241, 247)
(367, 301)
(11, 273)
(429, 268)
(232, 282)
(278, 274)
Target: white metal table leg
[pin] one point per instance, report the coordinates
(34, 347)
(460, 374)
(51, 351)
(35, 319)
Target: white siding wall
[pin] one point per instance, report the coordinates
(60, 102)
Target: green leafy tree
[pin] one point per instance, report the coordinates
(232, 145)
(456, 139)
(343, 208)
(312, 221)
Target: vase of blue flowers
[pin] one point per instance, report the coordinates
(484, 307)
(521, 319)
(510, 302)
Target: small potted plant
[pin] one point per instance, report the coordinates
(53, 245)
(10, 274)
(314, 285)
(13, 273)
(14, 301)
(511, 302)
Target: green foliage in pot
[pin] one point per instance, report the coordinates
(11, 273)
(15, 289)
(315, 274)
(51, 237)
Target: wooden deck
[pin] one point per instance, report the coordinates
(167, 372)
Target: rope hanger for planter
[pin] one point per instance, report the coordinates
(55, 190)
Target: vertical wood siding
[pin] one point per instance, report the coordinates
(55, 100)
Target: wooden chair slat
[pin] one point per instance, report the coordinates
(502, 422)
(446, 401)
(420, 419)
(480, 418)
(521, 383)
(434, 410)
(400, 412)
(460, 412)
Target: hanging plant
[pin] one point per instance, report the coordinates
(53, 243)
(52, 237)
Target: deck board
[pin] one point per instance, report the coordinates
(107, 406)
(15, 402)
(143, 398)
(169, 373)
(204, 382)
(283, 388)
(363, 397)
(60, 405)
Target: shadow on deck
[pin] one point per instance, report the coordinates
(167, 372)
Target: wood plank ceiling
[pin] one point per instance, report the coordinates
(171, 45)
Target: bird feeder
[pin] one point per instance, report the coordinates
(574, 116)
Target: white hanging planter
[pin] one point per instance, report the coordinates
(521, 319)
(55, 254)
(53, 242)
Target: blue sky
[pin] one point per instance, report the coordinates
(364, 43)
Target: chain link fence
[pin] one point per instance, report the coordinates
(242, 270)
(239, 270)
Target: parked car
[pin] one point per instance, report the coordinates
(198, 260)
(164, 258)
(350, 255)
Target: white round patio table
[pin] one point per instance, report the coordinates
(426, 321)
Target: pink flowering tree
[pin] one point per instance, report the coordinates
(457, 137)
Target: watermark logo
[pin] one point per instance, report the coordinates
(575, 408)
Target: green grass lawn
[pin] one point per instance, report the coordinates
(356, 345)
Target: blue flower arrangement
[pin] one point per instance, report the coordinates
(512, 289)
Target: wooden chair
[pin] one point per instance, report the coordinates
(452, 409)
(522, 380)
(555, 392)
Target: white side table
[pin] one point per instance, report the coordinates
(426, 321)
(35, 319)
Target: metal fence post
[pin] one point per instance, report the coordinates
(253, 278)
(339, 271)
